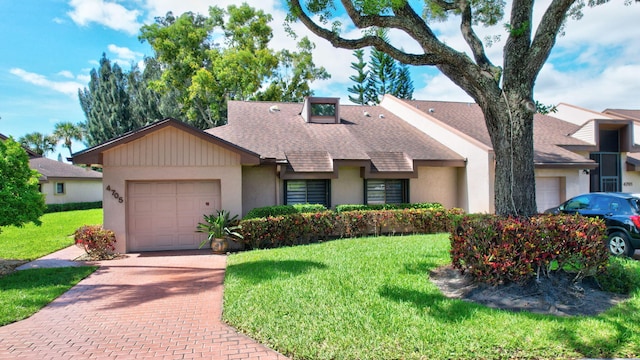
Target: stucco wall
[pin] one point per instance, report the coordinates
(435, 184)
(575, 180)
(348, 188)
(630, 179)
(477, 179)
(75, 191)
(259, 187)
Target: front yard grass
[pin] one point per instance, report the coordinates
(371, 298)
(24, 292)
(31, 242)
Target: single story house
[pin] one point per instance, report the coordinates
(159, 180)
(63, 183)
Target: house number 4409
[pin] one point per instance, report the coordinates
(115, 194)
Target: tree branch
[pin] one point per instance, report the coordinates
(547, 33)
(477, 49)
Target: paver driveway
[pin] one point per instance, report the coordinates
(150, 305)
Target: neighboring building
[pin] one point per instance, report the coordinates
(162, 178)
(614, 144)
(63, 183)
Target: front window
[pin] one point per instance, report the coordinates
(386, 191)
(59, 188)
(307, 192)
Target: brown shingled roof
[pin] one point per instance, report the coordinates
(363, 130)
(55, 169)
(625, 113)
(550, 134)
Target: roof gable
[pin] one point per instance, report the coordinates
(95, 155)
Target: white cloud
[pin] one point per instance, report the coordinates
(124, 53)
(66, 87)
(66, 73)
(58, 20)
(109, 14)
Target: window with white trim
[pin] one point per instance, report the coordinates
(59, 189)
(307, 192)
(386, 191)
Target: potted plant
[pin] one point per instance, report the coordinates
(222, 232)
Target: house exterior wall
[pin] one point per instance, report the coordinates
(576, 115)
(259, 187)
(630, 179)
(476, 180)
(435, 184)
(348, 188)
(169, 154)
(575, 181)
(89, 190)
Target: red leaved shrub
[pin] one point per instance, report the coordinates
(96, 241)
(496, 249)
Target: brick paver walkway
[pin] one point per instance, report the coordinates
(149, 305)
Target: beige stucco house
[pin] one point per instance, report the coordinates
(160, 180)
(63, 183)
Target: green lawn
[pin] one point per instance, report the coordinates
(24, 292)
(31, 242)
(371, 298)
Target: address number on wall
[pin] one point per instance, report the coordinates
(115, 194)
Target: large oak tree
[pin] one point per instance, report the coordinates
(503, 92)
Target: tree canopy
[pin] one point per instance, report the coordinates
(206, 69)
(19, 195)
(38, 142)
(504, 92)
(382, 75)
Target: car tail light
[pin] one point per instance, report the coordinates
(636, 220)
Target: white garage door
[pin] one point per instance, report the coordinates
(163, 215)
(547, 192)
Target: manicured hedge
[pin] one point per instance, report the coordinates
(303, 228)
(354, 207)
(496, 249)
(51, 208)
(278, 210)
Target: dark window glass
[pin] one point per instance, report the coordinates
(578, 203)
(323, 109)
(307, 192)
(59, 188)
(384, 191)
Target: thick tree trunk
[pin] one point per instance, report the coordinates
(510, 126)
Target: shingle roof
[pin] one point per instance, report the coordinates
(363, 131)
(55, 169)
(549, 133)
(625, 113)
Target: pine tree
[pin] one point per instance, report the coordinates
(360, 79)
(403, 86)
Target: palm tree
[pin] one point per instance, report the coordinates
(67, 132)
(38, 143)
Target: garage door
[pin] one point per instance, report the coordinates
(163, 215)
(547, 192)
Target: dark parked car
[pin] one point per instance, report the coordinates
(621, 212)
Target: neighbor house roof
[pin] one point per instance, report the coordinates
(624, 113)
(551, 135)
(370, 134)
(52, 169)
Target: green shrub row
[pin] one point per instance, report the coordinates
(51, 208)
(304, 228)
(354, 207)
(497, 249)
(279, 210)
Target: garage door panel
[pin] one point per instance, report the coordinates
(547, 192)
(164, 215)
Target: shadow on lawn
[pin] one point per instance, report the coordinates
(435, 304)
(265, 270)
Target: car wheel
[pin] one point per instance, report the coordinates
(619, 244)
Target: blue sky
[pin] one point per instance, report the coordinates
(49, 47)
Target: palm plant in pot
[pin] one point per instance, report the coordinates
(222, 232)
